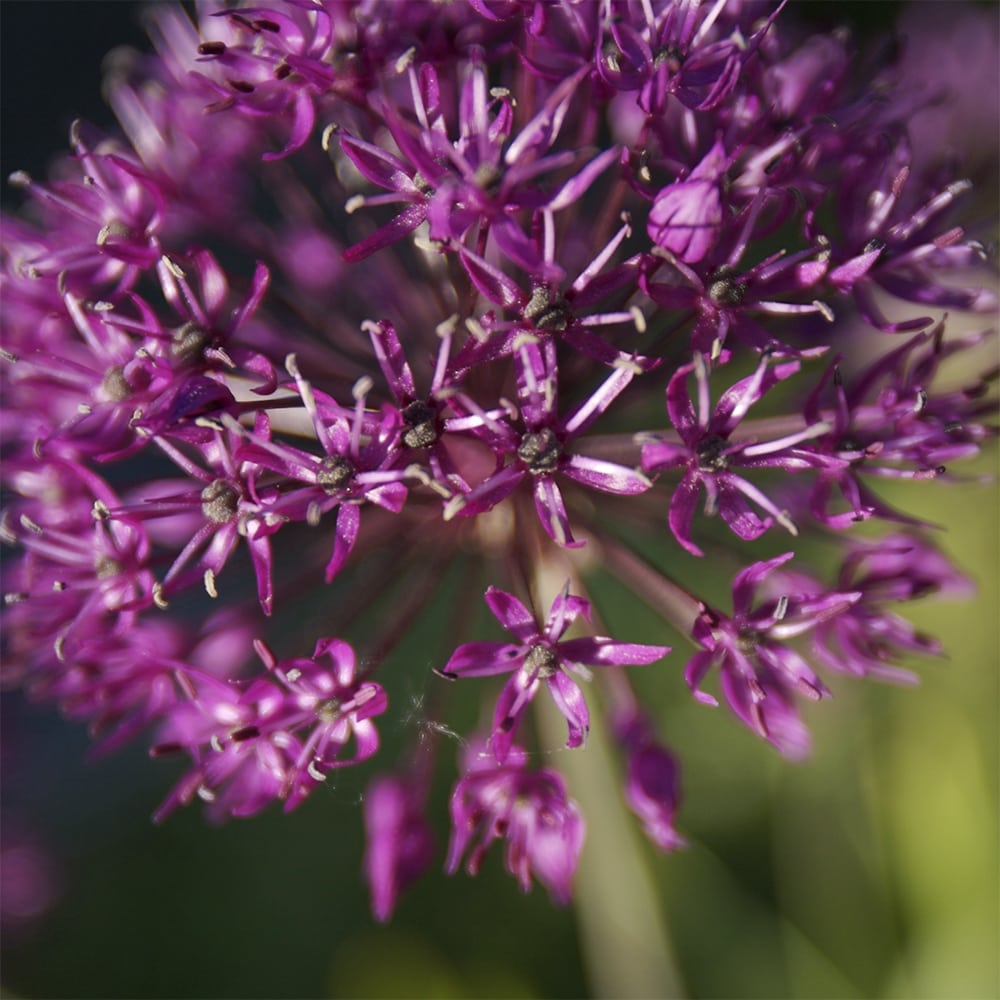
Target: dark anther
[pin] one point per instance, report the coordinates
(243, 86)
(219, 501)
(243, 22)
(540, 451)
(334, 473)
(114, 385)
(244, 733)
(211, 48)
(711, 454)
(541, 660)
(672, 58)
(873, 244)
(188, 342)
(547, 313)
(162, 749)
(282, 70)
(421, 423)
(725, 288)
(261, 24)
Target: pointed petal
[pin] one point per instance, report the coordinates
(394, 230)
(681, 513)
(512, 614)
(348, 523)
(514, 699)
(609, 477)
(601, 651)
(552, 513)
(483, 659)
(569, 700)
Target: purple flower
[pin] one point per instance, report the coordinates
(708, 456)
(759, 672)
(537, 454)
(529, 809)
(540, 655)
(868, 639)
(276, 738)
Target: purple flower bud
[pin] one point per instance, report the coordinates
(400, 842)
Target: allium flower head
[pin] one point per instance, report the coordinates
(371, 308)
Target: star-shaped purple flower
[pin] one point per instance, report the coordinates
(539, 655)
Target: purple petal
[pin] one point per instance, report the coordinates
(660, 455)
(493, 283)
(348, 523)
(747, 581)
(552, 513)
(483, 659)
(487, 494)
(512, 614)
(736, 512)
(394, 230)
(565, 610)
(681, 513)
(302, 125)
(696, 671)
(378, 166)
(514, 699)
(569, 700)
(600, 651)
(575, 187)
(608, 477)
(686, 218)
(680, 408)
(582, 416)
(392, 360)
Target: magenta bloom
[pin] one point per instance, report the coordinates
(276, 738)
(537, 454)
(759, 672)
(539, 656)
(529, 809)
(708, 456)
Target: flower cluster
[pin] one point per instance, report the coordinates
(367, 293)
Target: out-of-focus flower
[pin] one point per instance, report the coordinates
(528, 809)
